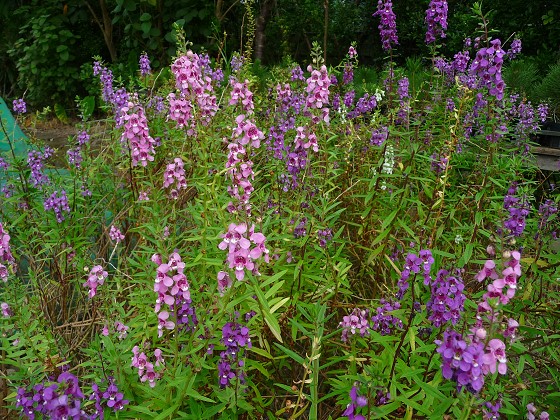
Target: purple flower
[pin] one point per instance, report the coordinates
(144, 64)
(447, 299)
(174, 177)
(491, 411)
(348, 74)
(235, 337)
(378, 136)
(487, 66)
(19, 106)
(75, 157)
(6, 310)
(95, 279)
(324, 237)
(387, 25)
(106, 79)
(35, 160)
(240, 93)
(57, 203)
(436, 20)
(356, 401)
(402, 89)
(514, 49)
(115, 234)
(356, 322)
(237, 62)
(383, 321)
(297, 74)
(542, 110)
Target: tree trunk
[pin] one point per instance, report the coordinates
(108, 30)
(262, 20)
(106, 26)
(325, 30)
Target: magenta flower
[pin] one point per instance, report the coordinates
(318, 89)
(247, 132)
(234, 237)
(174, 177)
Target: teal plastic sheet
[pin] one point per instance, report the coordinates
(10, 131)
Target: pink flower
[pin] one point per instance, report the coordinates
(489, 271)
(115, 234)
(150, 375)
(497, 353)
(159, 357)
(6, 310)
(224, 282)
(96, 278)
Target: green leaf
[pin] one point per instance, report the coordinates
(291, 353)
(87, 106)
(146, 26)
(61, 113)
(142, 409)
(465, 258)
(389, 219)
(166, 413)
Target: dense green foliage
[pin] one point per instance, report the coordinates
(38, 58)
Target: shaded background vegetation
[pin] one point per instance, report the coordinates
(46, 46)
